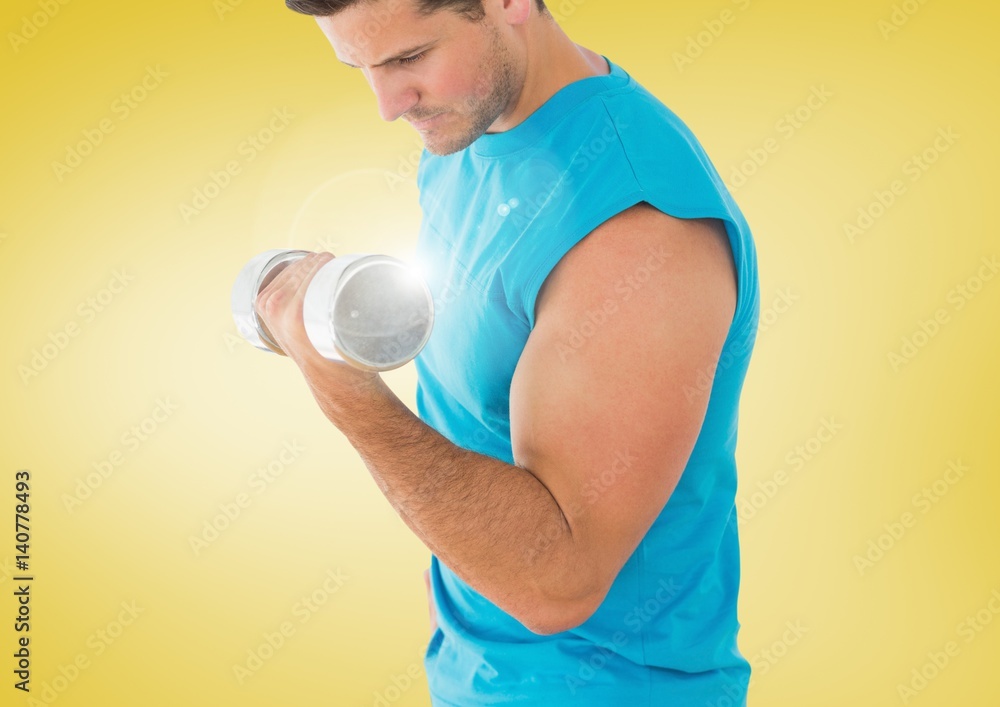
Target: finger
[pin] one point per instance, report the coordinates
(289, 273)
(292, 296)
(288, 284)
(308, 267)
(296, 287)
(276, 284)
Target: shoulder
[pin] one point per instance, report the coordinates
(643, 248)
(666, 157)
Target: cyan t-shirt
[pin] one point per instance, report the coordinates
(497, 217)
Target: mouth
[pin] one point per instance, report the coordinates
(427, 123)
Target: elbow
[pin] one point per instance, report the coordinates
(557, 616)
(566, 600)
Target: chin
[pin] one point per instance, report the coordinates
(445, 147)
(442, 145)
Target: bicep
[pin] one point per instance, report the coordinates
(632, 314)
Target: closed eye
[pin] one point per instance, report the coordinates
(412, 59)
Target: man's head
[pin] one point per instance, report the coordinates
(458, 62)
(471, 9)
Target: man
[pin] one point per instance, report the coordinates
(572, 466)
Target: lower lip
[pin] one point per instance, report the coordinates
(424, 124)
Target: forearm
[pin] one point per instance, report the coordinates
(494, 524)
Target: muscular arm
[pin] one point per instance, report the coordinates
(476, 513)
(531, 537)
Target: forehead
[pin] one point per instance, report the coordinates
(368, 33)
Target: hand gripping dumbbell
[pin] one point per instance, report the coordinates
(371, 311)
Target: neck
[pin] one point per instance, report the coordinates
(551, 61)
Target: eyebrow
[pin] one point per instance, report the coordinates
(401, 55)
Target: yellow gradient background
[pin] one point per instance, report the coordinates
(337, 177)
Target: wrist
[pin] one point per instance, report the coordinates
(342, 390)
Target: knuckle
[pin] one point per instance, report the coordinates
(260, 302)
(271, 304)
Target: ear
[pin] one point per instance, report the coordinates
(515, 12)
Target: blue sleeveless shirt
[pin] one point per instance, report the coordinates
(497, 217)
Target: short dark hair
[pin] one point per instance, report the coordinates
(470, 9)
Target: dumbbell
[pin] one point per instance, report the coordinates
(370, 311)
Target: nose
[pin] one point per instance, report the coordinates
(394, 94)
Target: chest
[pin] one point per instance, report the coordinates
(476, 341)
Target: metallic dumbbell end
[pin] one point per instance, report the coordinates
(253, 278)
(372, 311)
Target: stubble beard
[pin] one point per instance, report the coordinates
(497, 74)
